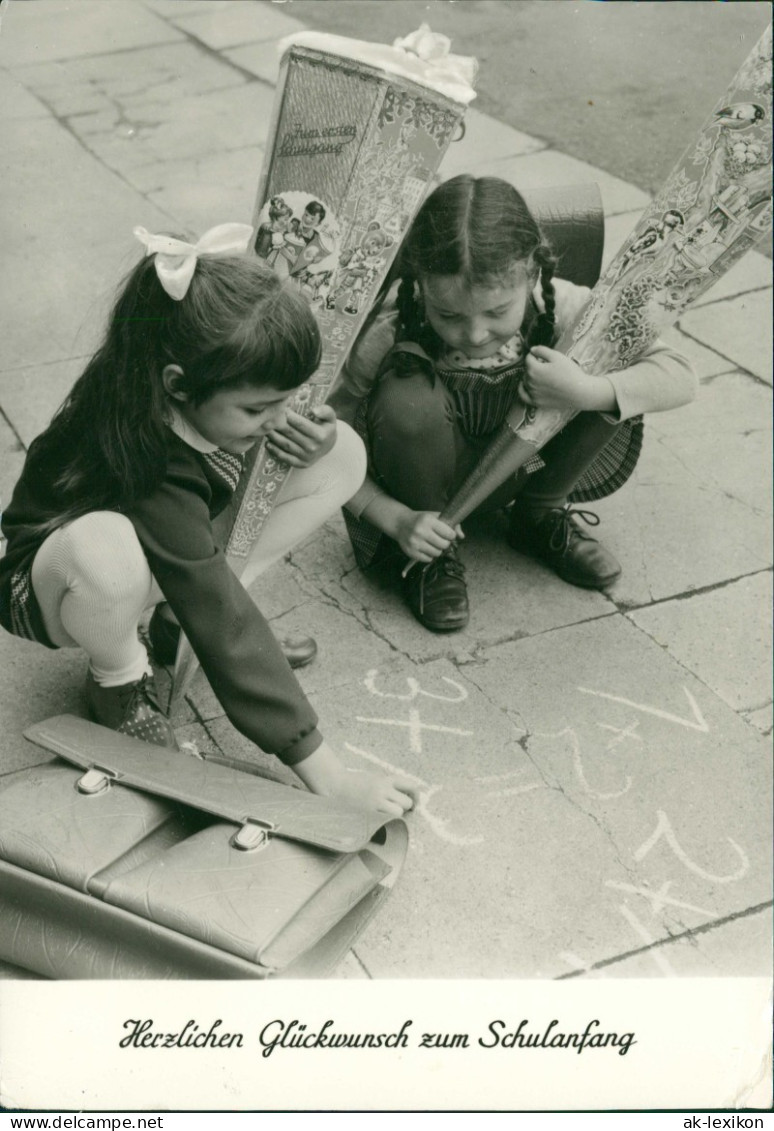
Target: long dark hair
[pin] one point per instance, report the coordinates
(479, 228)
(237, 325)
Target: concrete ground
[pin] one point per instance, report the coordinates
(596, 767)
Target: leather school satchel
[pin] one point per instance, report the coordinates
(118, 860)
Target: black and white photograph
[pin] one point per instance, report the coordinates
(386, 556)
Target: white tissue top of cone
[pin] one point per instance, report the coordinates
(423, 57)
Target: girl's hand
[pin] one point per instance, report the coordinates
(304, 439)
(421, 535)
(554, 381)
(322, 772)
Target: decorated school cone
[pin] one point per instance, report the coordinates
(714, 206)
(358, 132)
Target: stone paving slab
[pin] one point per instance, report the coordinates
(234, 23)
(239, 115)
(510, 596)
(706, 362)
(737, 459)
(739, 328)
(260, 59)
(170, 8)
(723, 637)
(49, 29)
(484, 136)
(618, 751)
(31, 395)
(695, 513)
(327, 625)
(152, 78)
(762, 719)
(16, 101)
(205, 191)
(12, 459)
(69, 258)
(740, 948)
(551, 168)
(37, 683)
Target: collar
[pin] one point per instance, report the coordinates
(187, 433)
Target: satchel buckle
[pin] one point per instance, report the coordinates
(96, 780)
(253, 835)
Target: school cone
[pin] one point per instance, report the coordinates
(714, 206)
(358, 132)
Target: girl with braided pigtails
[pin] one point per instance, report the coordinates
(469, 329)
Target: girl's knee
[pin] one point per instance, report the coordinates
(410, 408)
(101, 550)
(349, 456)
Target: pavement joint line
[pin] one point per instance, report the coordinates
(699, 591)
(703, 929)
(693, 675)
(44, 364)
(543, 144)
(708, 380)
(615, 611)
(13, 430)
(64, 123)
(737, 368)
(217, 53)
(727, 298)
(353, 954)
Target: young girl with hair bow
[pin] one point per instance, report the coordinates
(469, 331)
(112, 515)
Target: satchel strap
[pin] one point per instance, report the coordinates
(243, 799)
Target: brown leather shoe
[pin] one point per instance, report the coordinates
(164, 636)
(131, 708)
(556, 539)
(437, 594)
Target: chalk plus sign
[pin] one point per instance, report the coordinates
(415, 728)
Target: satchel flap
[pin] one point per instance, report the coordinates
(51, 827)
(208, 786)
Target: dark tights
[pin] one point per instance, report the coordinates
(421, 455)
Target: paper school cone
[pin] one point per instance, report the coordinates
(714, 206)
(358, 132)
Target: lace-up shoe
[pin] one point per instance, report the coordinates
(436, 593)
(556, 539)
(131, 708)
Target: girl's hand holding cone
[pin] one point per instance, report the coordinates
(554, 380)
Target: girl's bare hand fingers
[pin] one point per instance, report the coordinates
(316, 428)
(323, 414)
(438, 528)
(291, 461)
(409, 789)
(297, 445)
(296, 458)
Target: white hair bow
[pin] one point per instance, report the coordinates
(176, 260)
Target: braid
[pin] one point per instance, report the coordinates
(545, 325)
(409, 309)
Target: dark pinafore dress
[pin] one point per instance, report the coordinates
(481, 399)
